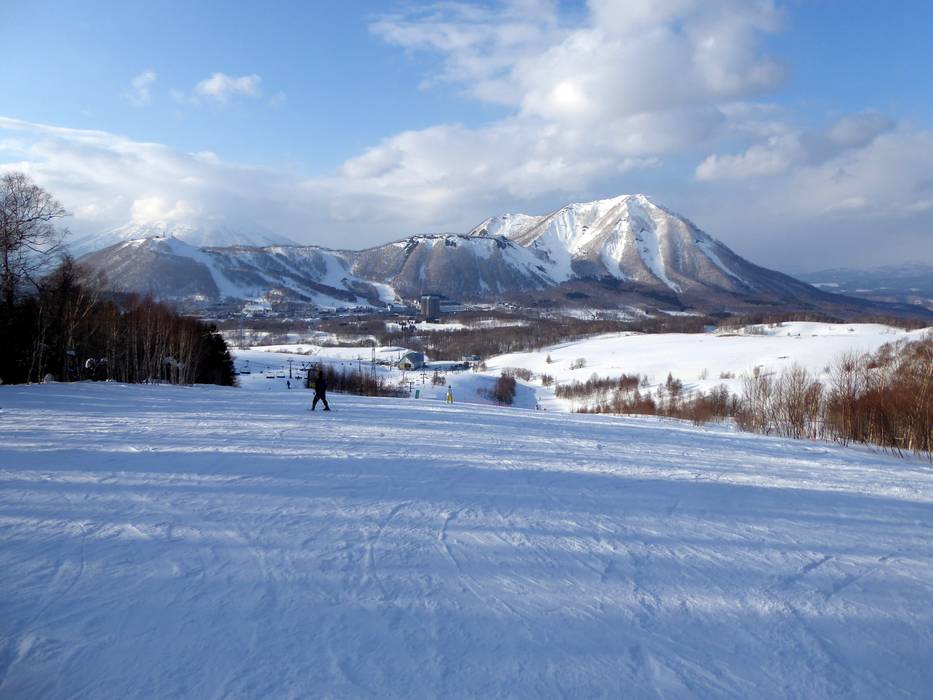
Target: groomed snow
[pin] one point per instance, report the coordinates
(208, 542)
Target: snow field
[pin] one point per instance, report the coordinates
(700, 359)
(208, 542)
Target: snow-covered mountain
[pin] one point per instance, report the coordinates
(209, 232)
(508, 225)
(627, 238)
(621, 251)
(632, 243)
(455, 265)
(170, 268)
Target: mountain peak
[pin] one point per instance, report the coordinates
(609, 202)
(629, 237)
(514, 225)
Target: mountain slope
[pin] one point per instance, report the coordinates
(170, 268)
(508, 225)
(628, 238)
(455, 265)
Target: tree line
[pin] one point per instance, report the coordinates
(883, 398)
(525, 334)
(56, 322)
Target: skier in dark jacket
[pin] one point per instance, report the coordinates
(320, 390)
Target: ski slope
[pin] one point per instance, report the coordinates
(208, 542)
(467, 386)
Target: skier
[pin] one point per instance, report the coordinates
(288, 383)
(320, 390)
(450, 394)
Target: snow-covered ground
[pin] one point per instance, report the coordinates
(268, 367)
(164, 541)
(702, 360)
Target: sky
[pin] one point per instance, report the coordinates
(800, 133)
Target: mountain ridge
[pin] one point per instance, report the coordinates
(907, 283)
(611, 252)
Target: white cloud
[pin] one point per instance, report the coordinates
(431, 171)
(856, 130)
(108, 180)
(220, 87)
(626, 58)
(783, 148)
(921, 205)
(860, 205)
(887, 176)
(139, 92)
(774, 156)
(626, 86)
(479, 45)
(147, 210)
(87, 212)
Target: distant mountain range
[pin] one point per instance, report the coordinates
(627, 250)
(905, 284)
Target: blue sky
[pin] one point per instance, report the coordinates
(772, 125)
(344, 88)
(856, 55)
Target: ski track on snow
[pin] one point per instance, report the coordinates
(208, 542)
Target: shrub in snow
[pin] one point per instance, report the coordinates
(504, 392)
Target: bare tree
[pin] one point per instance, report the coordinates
(797, 403)
(28, 235)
